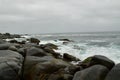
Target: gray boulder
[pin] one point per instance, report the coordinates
(96, 72)
(52, 46)
(98, 59)
(10, 65)
(33, 51)
(114, 74)
(4, 46)
(35, 67)
(34, 40)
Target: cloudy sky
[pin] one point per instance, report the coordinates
(51, 16)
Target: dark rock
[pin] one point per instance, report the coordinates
(96, 72)
(13, 41)
(68, 57)
(34, 40)
(51, 51)
(52, 46)
(23, 42)
(35, 67)
(4, 46)
(33, 51)
(114, 74)
(9, 36)
(10, 65)
(98, 59)
(65, 40)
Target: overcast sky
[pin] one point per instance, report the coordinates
(51, 16)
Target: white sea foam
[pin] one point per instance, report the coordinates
(86, 45)
(83, 51)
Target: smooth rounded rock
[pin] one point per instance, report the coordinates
(98, 59)
(10, 65)
(96, 72)
(33, 51)
(114, 74)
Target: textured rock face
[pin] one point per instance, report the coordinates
(35, 67)
(96, 72)
(10, 65)
(114, 74)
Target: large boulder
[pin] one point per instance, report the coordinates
(35, 67)
(4, 46)
(33, 51)
(10, 65)
(96, 72)
(34, 40)
(52, 46)
(114, 74)
(98, 59)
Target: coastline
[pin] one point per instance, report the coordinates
(27, 60)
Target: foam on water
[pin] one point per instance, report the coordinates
(86, 45)
(82, 50)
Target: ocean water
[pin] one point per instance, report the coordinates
(86, 44)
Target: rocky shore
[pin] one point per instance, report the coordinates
(31, 61)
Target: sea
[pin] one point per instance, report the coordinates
(84, 44)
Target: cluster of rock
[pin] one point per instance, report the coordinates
(8, 35)
(40, 62)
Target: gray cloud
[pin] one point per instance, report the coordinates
(49, 16)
